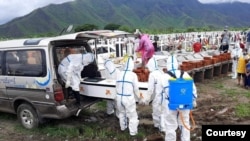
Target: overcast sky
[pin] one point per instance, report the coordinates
(11, 9)
(221, 1)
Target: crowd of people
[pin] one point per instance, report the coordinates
(166, 119)
(241, 61)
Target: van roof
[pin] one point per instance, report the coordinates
(85, 35)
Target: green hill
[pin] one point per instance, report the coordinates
(150, 14)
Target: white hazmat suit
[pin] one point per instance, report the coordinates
(173, 118)
(70, 71)
(235, 54)
(248, 41)
(127, 88)
(112, 72)
(155, 88)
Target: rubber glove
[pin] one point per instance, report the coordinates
(194, 104)
(143, 100)
(67, 84)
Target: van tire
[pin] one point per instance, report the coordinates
(27, 116)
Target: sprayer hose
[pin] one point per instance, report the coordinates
(192, 119)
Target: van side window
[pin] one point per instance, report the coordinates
(25, 63)
(34, 57)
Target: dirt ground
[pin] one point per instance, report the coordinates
(215, 105)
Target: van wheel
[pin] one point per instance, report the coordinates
(27, 116)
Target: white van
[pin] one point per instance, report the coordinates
(29, 82)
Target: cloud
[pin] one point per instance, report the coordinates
(223, 1)
(11, 9)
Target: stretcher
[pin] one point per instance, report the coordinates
(104, 88)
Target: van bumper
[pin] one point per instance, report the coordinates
(57, 112)
(63, 111)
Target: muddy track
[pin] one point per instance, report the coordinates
(214, 106)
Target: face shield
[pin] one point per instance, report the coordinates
(109, 65)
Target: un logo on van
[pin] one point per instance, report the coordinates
(183, 91)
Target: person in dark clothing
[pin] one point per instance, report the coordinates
(156, 38)
(12, 57)
(247, 77)
(248, 41)
(226, 35)
(155, 45)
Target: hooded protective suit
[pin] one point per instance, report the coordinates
(127, 88)
(112, 73)
(146, 47)
(235, 54)
(248, 41)
(70, 71)
(155, 88)
(172, 117)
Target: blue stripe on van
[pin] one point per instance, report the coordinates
(46, 82)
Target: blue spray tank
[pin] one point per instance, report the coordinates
(180, 93)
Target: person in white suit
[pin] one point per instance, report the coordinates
(173, 120)
(127, 90)
(155, 89)
(235, 54)
(112, 73)
(70, 72)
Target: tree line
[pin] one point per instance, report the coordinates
(167, 30)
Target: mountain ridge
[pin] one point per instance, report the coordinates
(150, 14)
